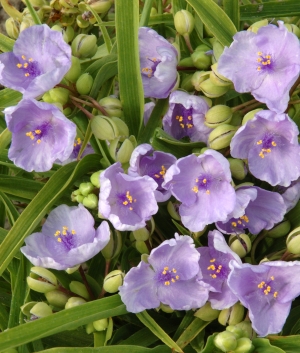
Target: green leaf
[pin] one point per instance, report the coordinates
(8, 97)
(294, 215)
(33, 13)
(3, 318)
(191, 332)
(20, 187)
(41, 204)
(288, 344)
(64, 320)
(110, 349)
(215, 19)
(231, 8)
(11, 211)
(6, 44)
(178, 5)
(181, 229)
(166, 19)
(147, 320)
(130, 80)
(270, 9)
(210, 346)
(146, 13)
(263, 345)
(5, 138)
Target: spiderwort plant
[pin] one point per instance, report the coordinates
(158, 60)
(40, 135)
(169, 277)
(39, 60)
(266, 64)
(68, 238)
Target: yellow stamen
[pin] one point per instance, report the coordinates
(212, 260)
(19, 65)
(259, 142)
(233, 224)
(23, 57)
(204, 181)
(258, 68)
(272, 278)
(274, 143)
(207, 192)
(195, 189)
(59, 240)
(27, 74)
(25, 65)
(167, 283)
(275, 294)
(38, 141)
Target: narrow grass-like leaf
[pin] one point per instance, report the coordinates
(152, 325)
(64, 320)
(8, 97)
(129, 73)
(3, 318)
(146, 13)
(191, 332)
(178, 5)
(231, 7)
(33, 13)
(20, 187)
(11, 211)
(110, 349)
(5, 138)
(215, 19)
(107, 71)
(270, 9)
(6, 44)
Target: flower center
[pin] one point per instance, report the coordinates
(167, 276)
(264, 62)
(217, 270)
(202, 183)
(240, 223)
(65, 237)
(30, 67)
(127, 200)
(267, 144)
(161, 173)
(183, 117)
(150, 70)
(266, 287)
(77, 146)
(39, 132)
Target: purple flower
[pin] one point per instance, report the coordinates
(39, 61)
(256, 209)
(214, 270)
(40, 135)
(148, 108)
(270, 143)
(169, 277)
(266, 64)
(68, 238)
(186, 116)
(145, 161)
(1, 69)
(158, 60)
(267, 290)
(203, 186)
(291, 194)
(127, 201)
(76, 148)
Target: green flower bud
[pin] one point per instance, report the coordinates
(90, 201)
(207, 313)
(165, 308)
(244, 345)
(26, 23)
(57, 95)
(44, 274)
(293, 28)
(122, 128)
(41, 310)
(247, 328)
(184, 22)
(81, 22)
(198, 78)
(12, 28)
(68, 4)
(238, 332)
(100, 325)
(121, 152)
(80, 289)
(55, 5)
(186, 83)
(100, 6)
(232, 315)
(141, 247)
(79, 198)
(218, 49)
(27, 307)
(257, 25)
(173, 210)
(74, 301)
(211, 90)
(95, 178)
(114, 246)
(291, 111)
(75, 70)
(217, 78)
(41, 280)
(57, 298)
(225, 341)
(84, 84)
(217, 115)
(240, 244)
(73, 269)
(221, 136)
(84, 45)
(237, 168)
(197, 235)
(67, 111)
(250, 115)
(141, 234)
(201, 60)
(113, 281)
(112, 106)
(86, 188)
(89, 328)
(186, 62)
(280, 230)
(67, 20)
(293, 241)
(153, 11)
(104, 128)
(67, 33)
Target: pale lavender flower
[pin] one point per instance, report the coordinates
(214, 270)
(266, 64)
(267, 290)
(169, 277)
(40, 135)
(186, 116)
(290, 194)
(158, 61)
(39, 60)
(203, 186)
(68, 238)
(270, 143)
(1, 69)
(256, 209)
(76, 149)
(148, 108)
(126, 201)
(145, 161)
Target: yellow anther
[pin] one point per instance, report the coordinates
(180, 118)
(259, 53)
(64, 232)
(204, 181)
(245, 218)
(212, 260)
(125, 203)
(38, 132)
(259, 60)
(233, 224)
(213, 276)
(207, 192)
(30, 60)
(79, 141)
(189, 126)
(189, 117)
(269, 289)
(38, 141)
(258, 68)
(182, 126)
(196, 180)
(23, 57)
(57, 233)
(211, 267)
(166, 268)
(73, 231)
(173, 280)
(19, 66)
(27, 74)
(259, 142)
(25, 65)
(59, 240)
(164, 272)
(261, 284)
(167, 283)
(130, 208)
(177, 277)
(275, 294)
(65, 228)
(274, 144)
(261, 155)
(195, 189)
(272, 278)
(266, 292)
(174, 270)
(177, 117)
(268, 56)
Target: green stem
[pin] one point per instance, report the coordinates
(255, 243)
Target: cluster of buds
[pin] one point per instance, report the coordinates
(141, 236)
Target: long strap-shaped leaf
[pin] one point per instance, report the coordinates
(110, 349)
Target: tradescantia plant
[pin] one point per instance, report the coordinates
(149, 176)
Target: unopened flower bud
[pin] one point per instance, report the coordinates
(247, 329)
(221, 136)
(141, 247)
(232, 315)
(240, 244)
(27, 307)
(26, 23)
(84, 45)
(84, 83)
(80, 289)
(73, 269)
(173, 210)
(41, 310)
(186, 62)
(75, 70)
(86, 188)
(201, 60)
(293, 241)
(90, 201)
(141, 234)
(89, 328)
(211, 90)
(113, 281)
(79, 198)
(198, 78)
(280, 230)
(100, 325)
(100, 6)
(68, 4)
(112, 106)
(67, 32)
(184, 22)
(244, 345)
(218, 115)
(218, 49)
(165, 308)
(114, 246)
(291, 111)
(12, 28)
(186, 83)
(238, 332)
(74, 301)
(217, 78)
(104, 128)
(207, 313)
(121, 152)
(83, 23)
(293, 28)
(122, 128)
(95, 178)
(225, 341)
(57, 298)
(257, 25)
(238, 168)
(57, 95)
(250, 115)
(41, 280)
